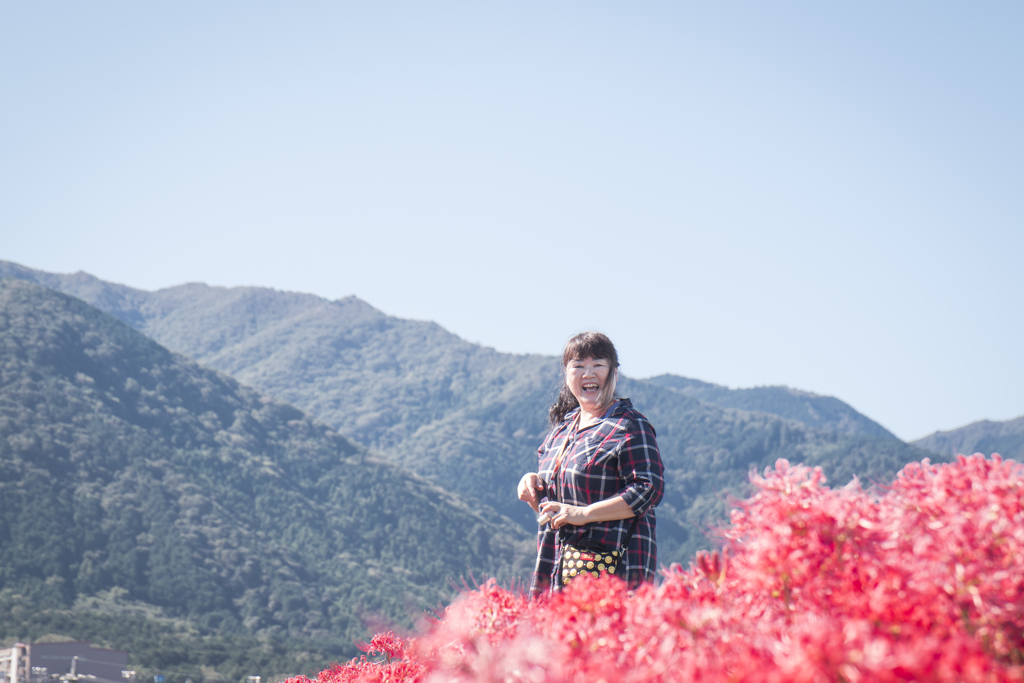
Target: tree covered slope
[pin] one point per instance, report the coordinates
(127, 467)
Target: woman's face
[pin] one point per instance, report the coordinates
(587, 378)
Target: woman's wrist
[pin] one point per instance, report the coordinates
(592, 515)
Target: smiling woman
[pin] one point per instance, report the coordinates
(599, 477)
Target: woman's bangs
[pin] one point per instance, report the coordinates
(590, 345)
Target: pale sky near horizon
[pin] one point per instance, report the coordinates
(811, 194)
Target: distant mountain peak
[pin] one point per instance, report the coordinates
(676, 382)
(820, 412)
(983, 436)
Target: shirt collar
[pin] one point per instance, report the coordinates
(611, 409)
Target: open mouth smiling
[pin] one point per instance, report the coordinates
(590, 386)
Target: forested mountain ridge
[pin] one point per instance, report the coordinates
(375, 377)
(126, 466)
(825, 413)
(984, 436)
(470, 418)
(407, 388)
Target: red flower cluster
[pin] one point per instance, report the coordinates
(387, 644)
(394, 669)
(924, 583)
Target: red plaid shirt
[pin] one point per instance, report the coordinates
(616, 456)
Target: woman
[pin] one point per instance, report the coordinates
(599, 470)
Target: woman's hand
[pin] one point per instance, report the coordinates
(561, 514)
(529, 489)
(603, 511)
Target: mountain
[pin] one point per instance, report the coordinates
(138, 487)
(406, 388)
(467, 417)
(985, 436)
(820, 412)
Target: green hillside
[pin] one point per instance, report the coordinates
(825, 413)
(709, 451)
(133, 478)
(407, 388)
(470, 418)
(984, 436)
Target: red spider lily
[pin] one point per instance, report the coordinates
(363, 671)
(922, 583)
(387, 644)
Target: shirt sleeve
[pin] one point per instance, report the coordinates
(641, 468)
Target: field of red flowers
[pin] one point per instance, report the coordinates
(924, 582)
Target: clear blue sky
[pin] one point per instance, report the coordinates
(823, 195)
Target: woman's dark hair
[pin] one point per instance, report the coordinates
(579, 347)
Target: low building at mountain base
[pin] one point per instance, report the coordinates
(44, 661)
